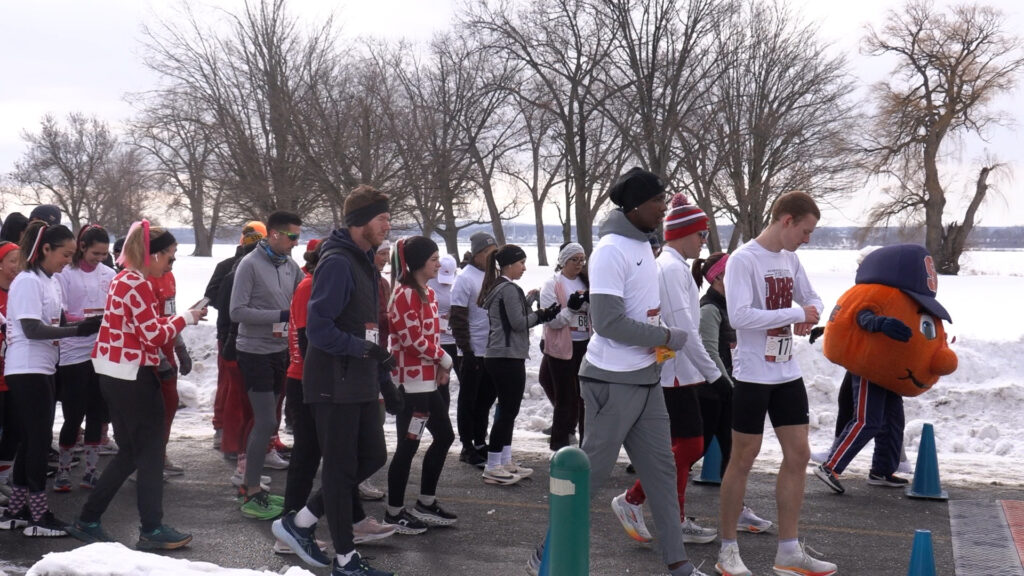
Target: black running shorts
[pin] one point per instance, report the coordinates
(785, 404)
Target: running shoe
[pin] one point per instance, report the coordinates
(631, 517)
(367, 491)
(162, 538)
(887, 480)
(696, 534)
(259, 507)
(300, 541)
(500, 476)
(88, 532)
(62, 483)
(750, 522)
(357, 566)
(275, 461)
(405, 523)
(729, 562)
(48, 526)
(829, 478)
(433, 515)
(368, 530)
(802, 564)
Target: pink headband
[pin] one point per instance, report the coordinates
(145, 242)
(717, 269)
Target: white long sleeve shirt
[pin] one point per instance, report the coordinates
(760, 289)
(680, 308)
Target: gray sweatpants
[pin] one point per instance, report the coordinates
(634, 416)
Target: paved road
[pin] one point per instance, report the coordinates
(867, 531)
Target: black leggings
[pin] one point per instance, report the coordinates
(476, 396)
(435, 409)
(305, 458)
(9, 432)
(137, 413)
(509, 377)
(32, 398)
(716, 411)
(80, 398)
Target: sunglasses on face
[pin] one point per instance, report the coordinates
(293, 236)
(578, 260)
(703, 234)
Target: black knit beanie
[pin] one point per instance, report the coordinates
(417, 250)
(634, 188)
(509, 254)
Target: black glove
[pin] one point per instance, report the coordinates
(891, 327)
(89, 326)
(394, 399)
(816, 333)
(576, 300)
(387, 361)
(722, 384)
(184, 360)
(548, 314)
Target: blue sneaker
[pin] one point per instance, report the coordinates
(300, 540)
(357, 567)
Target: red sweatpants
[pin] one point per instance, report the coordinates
(169, 390)
(237, 415)
(686, 452)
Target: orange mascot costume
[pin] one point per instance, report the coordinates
(887, 332)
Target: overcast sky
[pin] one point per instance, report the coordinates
(59, 56)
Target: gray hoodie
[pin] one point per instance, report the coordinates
(608, 317)
(260, 295)
(510, 321)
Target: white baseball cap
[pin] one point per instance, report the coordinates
(449, 267)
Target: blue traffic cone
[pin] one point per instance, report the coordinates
(922, 560)
(711, 469)
(926, 473)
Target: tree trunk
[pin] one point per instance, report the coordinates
(538, 216)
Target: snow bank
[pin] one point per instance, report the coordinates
(113, 559)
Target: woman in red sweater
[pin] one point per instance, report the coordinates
(422, 366)
(9, 268)
(126, 356)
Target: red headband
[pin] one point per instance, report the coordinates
(7, 248)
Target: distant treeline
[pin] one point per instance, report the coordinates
(837, 238)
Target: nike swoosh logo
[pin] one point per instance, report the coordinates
(640, 262)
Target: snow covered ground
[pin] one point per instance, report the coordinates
(975, 411)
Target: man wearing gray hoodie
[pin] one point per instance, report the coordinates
(260, 302)
(620, 375)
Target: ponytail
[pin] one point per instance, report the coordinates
(695, 269)
(37, 235)
(89, 234)
(491, 274)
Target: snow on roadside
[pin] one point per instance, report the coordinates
(114, 559)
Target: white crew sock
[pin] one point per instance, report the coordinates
(304, 518)
(506, 455)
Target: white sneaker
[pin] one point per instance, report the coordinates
(499, 475)
(802, 564)
(369, 529)
(750, 522)
(729, 562)
(238, 479)
(367, 491)
(275, 461)
(631, 517)
(519, 470)
(695, 534)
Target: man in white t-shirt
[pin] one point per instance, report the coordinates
(470, 325)
(620, 376)
(762, 281)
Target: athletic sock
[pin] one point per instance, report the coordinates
(506, 455)
(493, 459)
(394, 510)
(789, 547)
(427, 500)
(304, 518)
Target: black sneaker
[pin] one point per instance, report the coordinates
(433, 515)
(829, 478)
(48, 526)
(472, 457)
(888, 480)
(163, 538)
(356, 567)
(302, 541)
(15, 520)
(405, 523)
(88, 532)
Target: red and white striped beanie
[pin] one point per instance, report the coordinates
(684, 219)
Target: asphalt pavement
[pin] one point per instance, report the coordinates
(867, 531)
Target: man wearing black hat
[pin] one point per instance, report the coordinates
(470, 326)
(46, 213)
(620, 368)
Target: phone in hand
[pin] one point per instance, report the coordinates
(200, 305)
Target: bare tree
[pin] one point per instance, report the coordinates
(123, 192)
(784, 114)
(561, 44)
(172, 131)
(248, 80)
(949, 68)
(63, 162)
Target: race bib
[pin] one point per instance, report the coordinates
(582, 323)
(778, 345)
(417, 424)
(654, 317)
(280, 329)
(169, 307)
(372, 333)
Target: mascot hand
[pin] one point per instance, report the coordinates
(891, 327)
